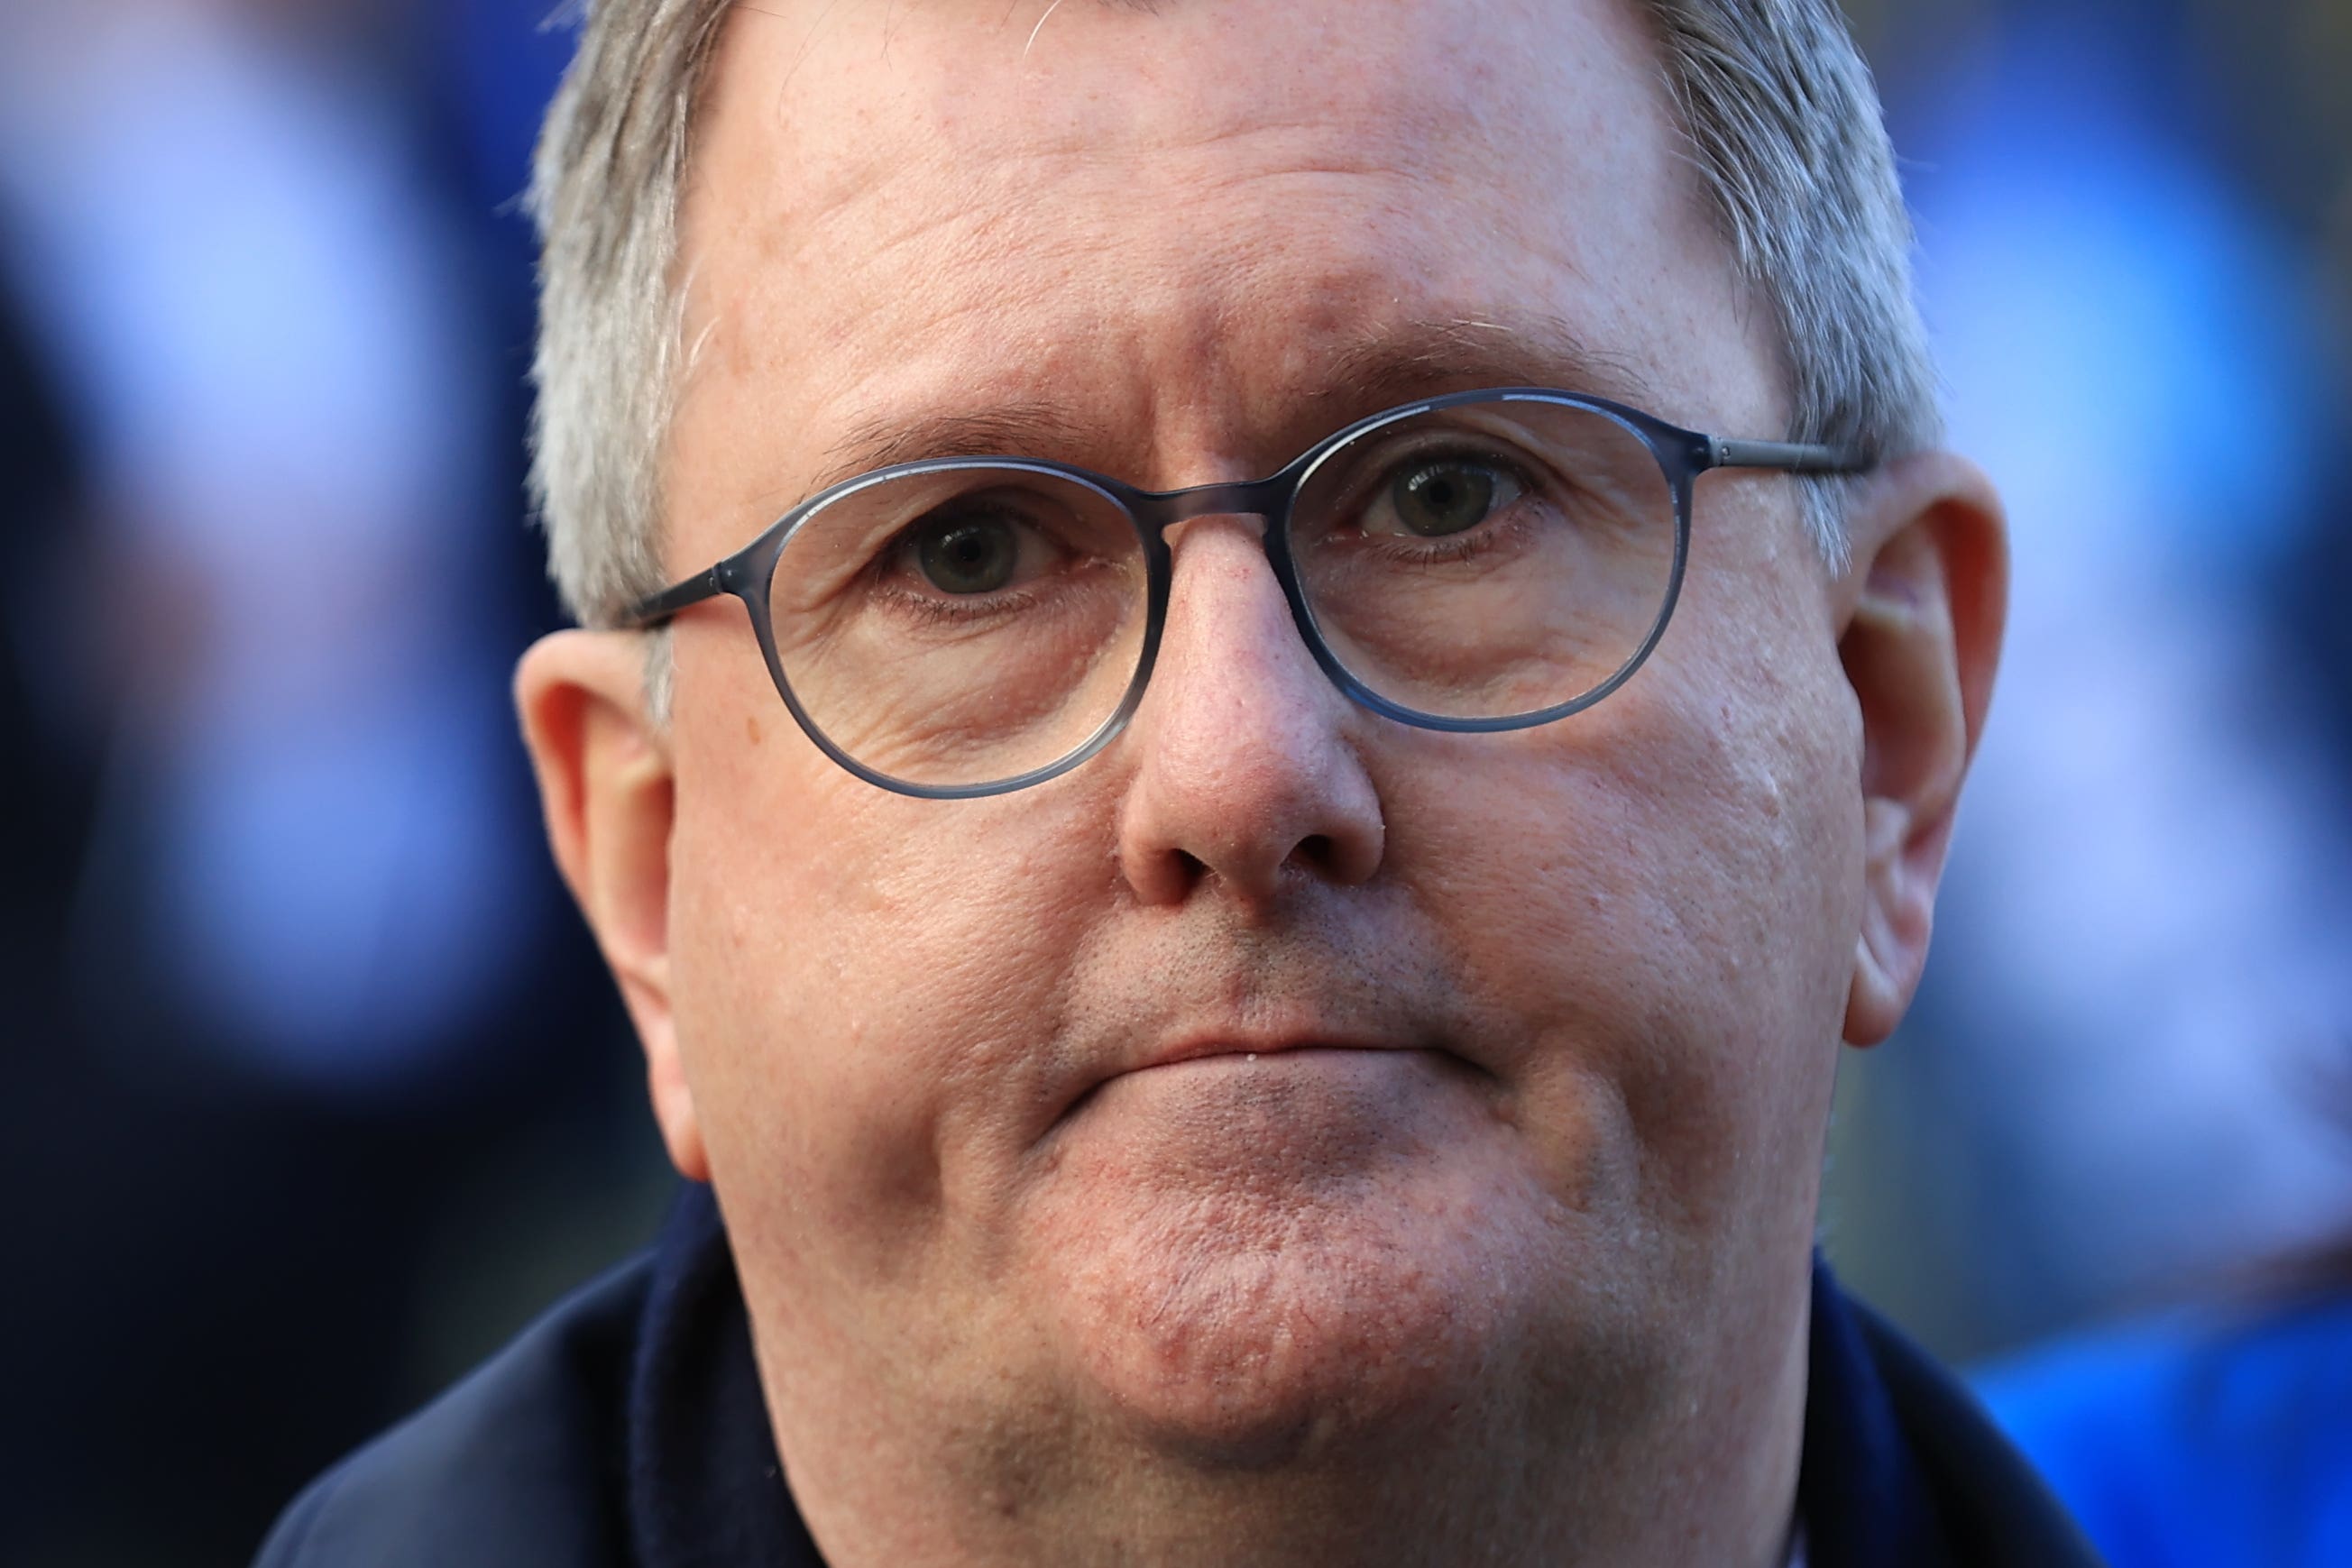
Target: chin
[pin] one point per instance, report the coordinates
(1293, 1324)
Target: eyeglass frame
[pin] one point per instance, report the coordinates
(1682, 456)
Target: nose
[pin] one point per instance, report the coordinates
(1244, 777)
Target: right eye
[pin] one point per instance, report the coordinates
(969, 552)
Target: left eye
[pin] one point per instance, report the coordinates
(1433, 499)
(975, 555)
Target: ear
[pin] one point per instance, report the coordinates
(607, 787)
(1921, 611)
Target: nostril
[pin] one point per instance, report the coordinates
(1317, 850)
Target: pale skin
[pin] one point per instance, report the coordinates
(1512, 1266)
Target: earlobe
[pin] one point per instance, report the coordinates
(1924, 606)
(607, 789)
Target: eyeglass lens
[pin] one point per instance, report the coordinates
(959, 627)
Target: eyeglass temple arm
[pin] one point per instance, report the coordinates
(658, 608)
(1788, 456)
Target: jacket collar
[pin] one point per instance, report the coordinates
(1863, 1501)
(705, 1487)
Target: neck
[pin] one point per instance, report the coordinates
(1701, 1469)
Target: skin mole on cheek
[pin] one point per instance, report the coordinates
(750, 729)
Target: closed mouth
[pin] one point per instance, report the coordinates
(1219, 1049)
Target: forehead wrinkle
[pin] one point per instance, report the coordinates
(997, 190)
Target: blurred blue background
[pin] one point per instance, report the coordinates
(315, 1091)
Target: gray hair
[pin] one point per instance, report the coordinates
(1780, 112)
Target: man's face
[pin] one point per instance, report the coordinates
(1508, 1057)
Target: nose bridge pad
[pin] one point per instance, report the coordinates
(1259, 498)
(1264, 503)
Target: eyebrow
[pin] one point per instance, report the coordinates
(1008, 430)
(1384, 366)
(1362, 374)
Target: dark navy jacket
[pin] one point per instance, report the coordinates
(626, 1430)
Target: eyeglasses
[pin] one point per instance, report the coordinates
(1489, 561)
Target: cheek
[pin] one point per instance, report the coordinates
(861, 981)
(1659, 898)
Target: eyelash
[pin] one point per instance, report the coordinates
(1461, 547)
(945, 609)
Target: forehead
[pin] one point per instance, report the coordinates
(1170, 226)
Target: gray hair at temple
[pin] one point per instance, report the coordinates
(1784, 132)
